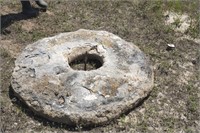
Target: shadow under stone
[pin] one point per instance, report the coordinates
(45, 122)
(25, 109)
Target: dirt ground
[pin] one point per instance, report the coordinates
(173, 104)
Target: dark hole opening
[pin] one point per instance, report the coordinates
(86, 62)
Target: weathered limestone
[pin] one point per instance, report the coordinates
(45, 81)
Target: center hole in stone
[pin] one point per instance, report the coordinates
(86, 62)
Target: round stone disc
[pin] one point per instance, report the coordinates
(84, 77)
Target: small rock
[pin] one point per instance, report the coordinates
(142, 110)
(126, 119)
(170, 47)
(150, 128)
(161, 95)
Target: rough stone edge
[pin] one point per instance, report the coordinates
(87, 123)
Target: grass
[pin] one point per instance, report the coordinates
(173, 103)
(8, 62)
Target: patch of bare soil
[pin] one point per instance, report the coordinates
(12, 47)
(172, 106)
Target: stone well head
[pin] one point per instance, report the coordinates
(84, 77)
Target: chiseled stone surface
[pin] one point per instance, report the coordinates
(43, 79)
